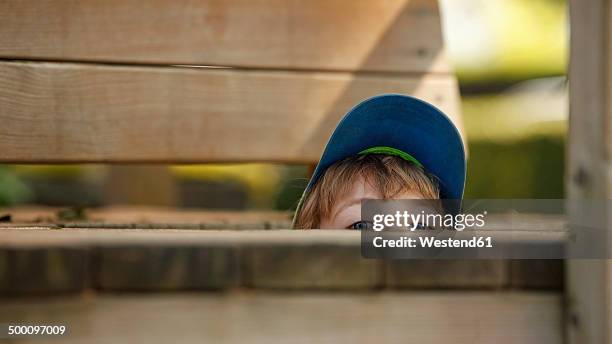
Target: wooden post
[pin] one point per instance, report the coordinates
(589, 319)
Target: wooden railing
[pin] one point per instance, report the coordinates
(98, 81)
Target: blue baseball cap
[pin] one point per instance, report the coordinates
(404, 126)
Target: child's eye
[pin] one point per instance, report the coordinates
(420, 226)
(360, 225)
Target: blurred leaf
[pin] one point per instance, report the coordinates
(529, 168)
(12, 189)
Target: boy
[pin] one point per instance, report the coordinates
(387, 147)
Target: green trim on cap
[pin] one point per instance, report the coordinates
(391, 151)
(372, 150)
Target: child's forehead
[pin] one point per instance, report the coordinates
(358, 190)
(361, 190)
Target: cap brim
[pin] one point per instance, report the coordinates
(405, 123)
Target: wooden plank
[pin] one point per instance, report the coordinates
(325, 266)
(537, 273)
(152, 217)
(66, 113)
(46, 260)
(347, 35)
(452, 273)
(416, 317)
(44, 270)
(148, 217)
(87, 237)
(164, 268)
(590, 161)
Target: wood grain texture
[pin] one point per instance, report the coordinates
(589, 170)
(44, 270)
(451, 273)
(46, 261)
(348, 35)
(543, 274)
(416, 317)
(310, 267)
(166, 268)
(66, 113)
(150, 217)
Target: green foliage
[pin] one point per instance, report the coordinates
(517, 39)
(530, 168)
(12, 189)
(290, 191)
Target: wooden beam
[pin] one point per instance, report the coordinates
(157, 217)
(67, 113)
(44, 235)
(346, 35)
(590, 162)
(416, 317)
(45, 259)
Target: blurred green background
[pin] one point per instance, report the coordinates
(510, 57)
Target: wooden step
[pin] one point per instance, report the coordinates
(424, 317)
(46, 261)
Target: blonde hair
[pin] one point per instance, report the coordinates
(389, 175)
